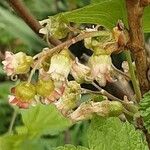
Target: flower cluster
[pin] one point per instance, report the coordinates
(60, 76)
(52, 85)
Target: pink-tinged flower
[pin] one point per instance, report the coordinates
(79, 71)
(56, 94)
(49, 90)
(18, 63)
(14, 101)
(70, 97)
(100, 68)
(60, 66)
(22, 95)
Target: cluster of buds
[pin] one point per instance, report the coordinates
(25, 94)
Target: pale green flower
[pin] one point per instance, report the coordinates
(60, 66)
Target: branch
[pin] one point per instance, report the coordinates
(133, 78)
(135, 10)
(68, 43)
(29, 19)
(15, 113)
(136, 42)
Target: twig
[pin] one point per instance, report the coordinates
(69, 42)
(133, 78)
(136, 43)
(12, 121)
(121, 72)
(103, 92)
(25, 14)
(35, 67)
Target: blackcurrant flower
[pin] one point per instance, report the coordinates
(69, 98)
(100, 68)
(54, 89)
(22, 95)
(60, 66)
(18, 63)
(44, 87)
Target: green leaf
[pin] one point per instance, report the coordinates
(44, 119)
(71, 147)
(8, 142)
(104, 12)
(112, 134)
(146, 19)
(145, 110)
(20, 142)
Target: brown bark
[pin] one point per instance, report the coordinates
(136, 42)
(30, 20)
(135, 9)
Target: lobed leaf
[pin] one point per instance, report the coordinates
(145, 110)
(103, 12)
(44, 119)
(71, 147)
(111, 133)
(106, 13)
(20, 142)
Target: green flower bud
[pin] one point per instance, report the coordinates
(25, 91)
(115, 108)
(98, 43)
(56, 26)
(45, 88)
